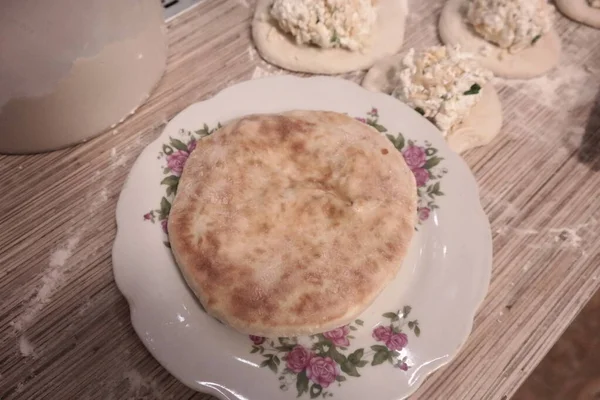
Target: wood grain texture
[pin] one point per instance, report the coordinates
(64, 327)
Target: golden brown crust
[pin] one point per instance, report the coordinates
(293, 223)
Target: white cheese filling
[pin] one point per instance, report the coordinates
(513, 25)
(327, 23)
(442, 83)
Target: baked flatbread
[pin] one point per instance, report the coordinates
(293, 223)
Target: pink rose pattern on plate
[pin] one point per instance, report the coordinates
(314, 370)
(423, 162)
(421, 176)
(257, 339)
(176, 161)
(339, 336)
(322, 371)
(175, 153)
(382, 333)
(423, 213)
(415, 157)
(297, 359)
(397, 341)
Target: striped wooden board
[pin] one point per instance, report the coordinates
(64, 327)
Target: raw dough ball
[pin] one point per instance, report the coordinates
(281, 49)
(581, 11)
(528, 63)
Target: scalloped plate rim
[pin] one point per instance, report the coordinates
(124, 285)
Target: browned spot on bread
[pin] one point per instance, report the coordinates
(298, 147)
(281, 127)
(306, 304)
(386, 254)
(265, 227)
(212, 240)
(313, 278)
(384, 151)
(326, 177)
(203, 264)
(333, 212)
(243, 305)
(244, 273)
(392, 246)
(286, 275)
(370, 266)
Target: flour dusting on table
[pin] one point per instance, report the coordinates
(117, 161)
(135, 379)
(103, 195)
(52, 279)
(140, 387)
(251, 53)
(265, 71)
(59, 257)
(562, 89)
(25, 346)
(568, 236)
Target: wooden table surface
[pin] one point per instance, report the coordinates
(64, 327)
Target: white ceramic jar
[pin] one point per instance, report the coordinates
(70, 69)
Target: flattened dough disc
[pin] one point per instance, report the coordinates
(580, 11)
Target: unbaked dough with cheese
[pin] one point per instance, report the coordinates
(328, 36)
(448, 87)
(512, 38)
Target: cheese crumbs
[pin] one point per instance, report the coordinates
(513, 25)
(441, 83)
(327, 23)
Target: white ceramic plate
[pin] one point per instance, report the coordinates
(416, 325)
